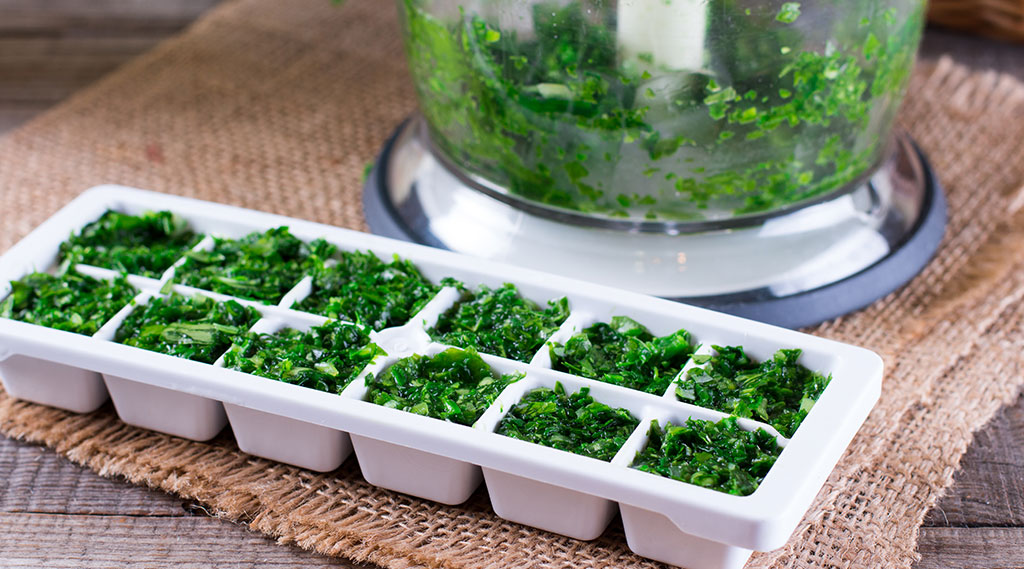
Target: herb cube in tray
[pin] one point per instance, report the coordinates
(454, 385)
(362, 289)
(259, 266)
(146, 244)
(575, 423)
(720, 456)
(624, 353)
(196, 328)
(778, 391)
(326, 357)
(500, 322)
(71, 302)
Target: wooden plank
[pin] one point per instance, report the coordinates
(75, 16)
(37, 480)
(971, 548)
(989, 488)
(82, 542)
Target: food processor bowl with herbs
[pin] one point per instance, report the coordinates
(639, 133)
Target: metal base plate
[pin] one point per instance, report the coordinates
(795, 270)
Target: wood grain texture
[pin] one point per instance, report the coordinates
(51, 48)
(87, 541)
(974, 548)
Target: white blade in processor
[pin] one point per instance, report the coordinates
(669, 33)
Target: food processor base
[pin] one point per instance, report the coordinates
(794, 270)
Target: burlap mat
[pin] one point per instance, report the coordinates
(279, 106)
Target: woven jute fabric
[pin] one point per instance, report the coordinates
(280, 105)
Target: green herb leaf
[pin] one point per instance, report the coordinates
(574, 423)
(326, 358)
(196, 328)
(146, 244)
(624, 353)
(454, 385)
(720, 456)
(364, 290)
(259, 266)
(71, 301)
(778, 391)
(500, 322)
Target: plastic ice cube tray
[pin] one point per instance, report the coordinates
(664, 519)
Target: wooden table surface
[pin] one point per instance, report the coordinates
(55, 514)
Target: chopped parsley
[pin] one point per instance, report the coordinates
(500, 322)
(778, 391)
(625, 353)
(71, 302)
(454, 385)
(259, 266)
(365, 290)
(776, 115)
(575, 423)
(720, 456)
(326, 358)
(196, 328)
(145, 245)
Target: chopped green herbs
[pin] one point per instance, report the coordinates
(363, 289)
(555, 112)
(454, 385)
(259, 266)
(500, 322)
(144, 244)
(196, 328)
(575, 423)
(624, 353)
(720, 456)
(778, 391)
(789, 12)
(325, 358)
(71, 302)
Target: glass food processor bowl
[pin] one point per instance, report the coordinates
(663, 111)
(695, 149)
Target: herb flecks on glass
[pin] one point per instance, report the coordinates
(71, 302)
(326, 357)
(197, 328)
(454, 385)
(575, 423)
(500, 322)
(362, 289)
(623, 352)
(720, 456)
(778, 391)
(259, 266)
(145, 245)
(554, 112)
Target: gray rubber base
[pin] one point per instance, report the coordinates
(795, 311)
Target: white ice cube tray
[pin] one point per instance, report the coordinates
(664, 519)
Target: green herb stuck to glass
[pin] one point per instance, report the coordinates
(679, 112)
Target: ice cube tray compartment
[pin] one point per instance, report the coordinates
(664, 519)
